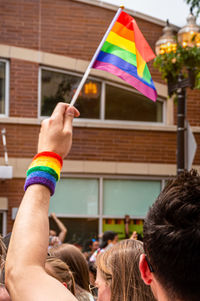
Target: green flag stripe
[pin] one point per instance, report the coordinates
(146, 74)
(121, 53)
(126, 56)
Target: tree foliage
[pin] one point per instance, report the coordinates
(195, 6)
(183, 60)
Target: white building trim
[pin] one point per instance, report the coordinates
(20, 166)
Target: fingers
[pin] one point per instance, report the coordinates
(70, 113)
(59, 111)
(76, 112)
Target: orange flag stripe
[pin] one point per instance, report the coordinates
(123, 31)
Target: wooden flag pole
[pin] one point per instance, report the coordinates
(94, 57)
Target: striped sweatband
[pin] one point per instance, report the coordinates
(45, 170)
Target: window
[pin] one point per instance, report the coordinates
(76, 197)
(4, 90)
(124, 105)
(98, 100)
(78, 229)
(123, 197)
(88, 206)
(58, 87)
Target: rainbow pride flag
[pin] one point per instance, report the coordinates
(125, 53)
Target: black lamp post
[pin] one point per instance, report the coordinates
(165, 44)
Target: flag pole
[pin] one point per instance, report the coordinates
(95, 56)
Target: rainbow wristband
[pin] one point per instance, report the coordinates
(45, 170)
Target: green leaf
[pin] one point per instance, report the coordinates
(172, 64)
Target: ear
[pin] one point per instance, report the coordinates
(145, 272)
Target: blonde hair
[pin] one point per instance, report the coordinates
(3, 251)
(119, 267)
(58, 269)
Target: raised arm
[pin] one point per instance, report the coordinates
(61, 226)
(26, 278)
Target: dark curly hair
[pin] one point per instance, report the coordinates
(172, 237)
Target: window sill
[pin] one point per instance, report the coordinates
(126, 125)
(98, 124)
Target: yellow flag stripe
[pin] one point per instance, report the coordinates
(123, 43)
(123, 31)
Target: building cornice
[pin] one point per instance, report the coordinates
(129, 11)
(100, 124)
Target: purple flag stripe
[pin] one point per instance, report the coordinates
(144, 89)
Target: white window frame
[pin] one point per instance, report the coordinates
(7, 87)
(102, 101)
(100, 216)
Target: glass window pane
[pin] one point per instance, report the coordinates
(132, 197)
(78, 229)
(57, 86)
(125, 105)
(75, 196)
(2, 86)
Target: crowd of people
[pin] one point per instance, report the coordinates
(39, 266)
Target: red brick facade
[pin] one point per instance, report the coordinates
(73, 29)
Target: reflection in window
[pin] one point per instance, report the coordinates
(58, 87)
(120, 103)
(2, 87)
(79, 230)
(124, 105)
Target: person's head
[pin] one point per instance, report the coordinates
(108, 238)
(95, 245)
(52, 233)
(76, 261)
(58, 269)
(118, 276)
(172, 240)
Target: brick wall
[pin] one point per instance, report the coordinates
(23, 89)
(62, 27)
(102, 144)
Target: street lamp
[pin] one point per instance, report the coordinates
(188, 37)
(189, 34)
(167, 42)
